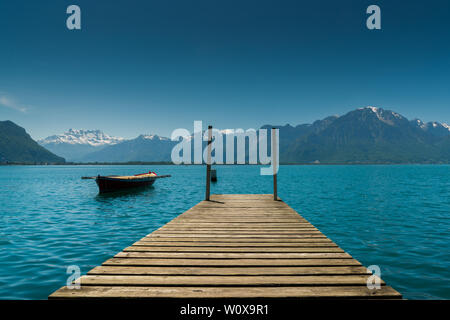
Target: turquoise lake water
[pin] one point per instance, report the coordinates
(396, 217)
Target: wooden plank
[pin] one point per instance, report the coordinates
(240, 203)
(229, 262)
(384, 292)
(245, 207)
(260, 241)
(218, 229)
(237, 197)
(222, 201)
(234, 224)
(255, 226)
(240, 210)
(237, 271)
(236, 204)
(242, 228)
(218, 280)
(254, 209)
(240, 220)
(234, 219)
(240, 236)
(212, 212)
(222, 204)
(225, 217)
(240, 244)
(218, 212)
(211, 225)
(233, 233)
(240, 255)
(144, 248)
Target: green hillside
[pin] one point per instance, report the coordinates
(17, 146)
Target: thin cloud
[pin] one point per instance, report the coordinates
(8, 102)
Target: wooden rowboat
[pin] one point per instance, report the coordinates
(116, 183)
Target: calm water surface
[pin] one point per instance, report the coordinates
(396, 217)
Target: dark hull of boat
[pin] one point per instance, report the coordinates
(106, 184)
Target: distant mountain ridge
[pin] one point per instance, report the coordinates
(75, 144)
(152, 148)
(16, 146)
(364, 135)
(90, 137)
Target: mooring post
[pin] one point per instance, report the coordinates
(274, 162)
(208, 164)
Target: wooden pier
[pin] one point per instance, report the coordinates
(233, 246)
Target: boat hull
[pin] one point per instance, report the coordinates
(109, 184)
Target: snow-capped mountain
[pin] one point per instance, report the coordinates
(366, 135)
(74, 144)
(87, 137)
(393, 118)
(387, 116)
(153, 137)
(96, 146)
(432, 127)
(143, 148)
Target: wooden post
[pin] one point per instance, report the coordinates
(274, 163)
(208, 164)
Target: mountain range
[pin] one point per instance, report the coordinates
(73, 145)
(364, 135)
(151, 148)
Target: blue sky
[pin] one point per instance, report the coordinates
(153, 66)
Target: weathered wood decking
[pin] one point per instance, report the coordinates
(235, 246)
